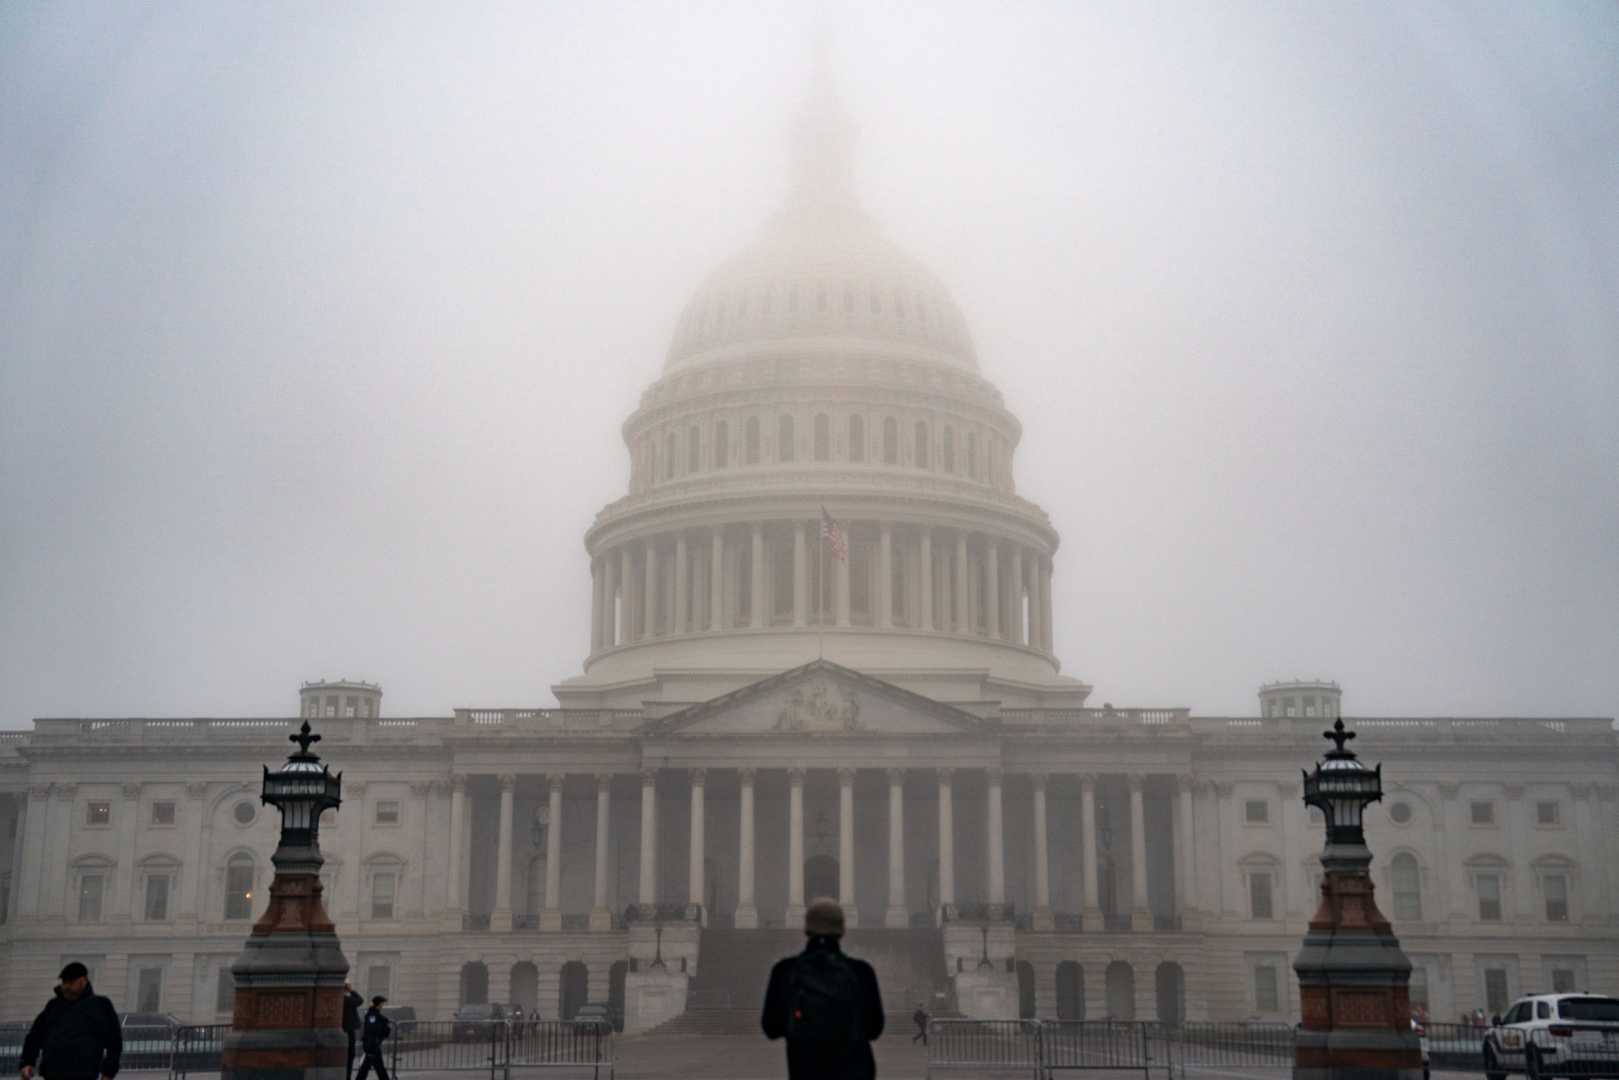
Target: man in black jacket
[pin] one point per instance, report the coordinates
(351, 1023)
(77, 1031)
(825, 1004)
(375, 1029)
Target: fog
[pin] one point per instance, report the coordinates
(318, 323)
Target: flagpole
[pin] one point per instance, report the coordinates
(820, 588)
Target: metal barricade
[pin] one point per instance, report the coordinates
(1455, 1046)
(446, 1046)
(977, 1045)
(1117, 1045)
(198, 1048)
(11, 1039)
(563, 1044)
(1242, 1044)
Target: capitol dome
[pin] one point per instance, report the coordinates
(821, 381)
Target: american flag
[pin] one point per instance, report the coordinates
(832, 533)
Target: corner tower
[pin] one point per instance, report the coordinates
(821, 366)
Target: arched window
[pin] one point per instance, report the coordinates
(1121, 991)
(857, 438)
(785, 448)
(1407, 877)
(823, 437)
(1070, 991)
(890, 441)
(722, 445)
(949, 450)
(693, 449)
(669, 457)
(239, 886)
(921, 444)
(750, 442)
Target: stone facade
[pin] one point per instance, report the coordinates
(759, 721)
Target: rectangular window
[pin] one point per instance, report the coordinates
(1259, 895)
(239, 890)
(1489, 896)
(1483, 813)
(98, 813)
(157, 902)
(378, 980)
(1555, 886)
(1267, 991)
(1548, 813)
(163, 813)
(1563, 981)
(1419, 987)
(388, 812)
(1256, 811)
(225, 992)
(91, 887)
(1495, 990)
(149, 990)
(351, 706)
(383, 888)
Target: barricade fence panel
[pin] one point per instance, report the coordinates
(1456, 1046)
(1052, 1047)
(983, 1044)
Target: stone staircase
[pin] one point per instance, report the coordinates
(733, 968)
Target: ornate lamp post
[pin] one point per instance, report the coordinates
(1353, 976)
(287, 1020)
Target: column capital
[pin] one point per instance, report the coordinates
(458, 782)
(1582, 789)
(699, 777)
(746, 774)
(67, 789)
(945, 773)
(1222, 788)
(507, 781)
(39, 791)
(995, 775)
(197, 789)
(438, 786)
(131, 790)
(649, 776)
(420, 789)
(1186, 781)
(555, 779)
(604, 781)
(1449, 789)
(1135, 781)
(846, 774)
(1087, 780)
(795, 775)
(1513, 790)
(1039, 779)
(896, 776)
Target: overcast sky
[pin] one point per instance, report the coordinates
(318, 323)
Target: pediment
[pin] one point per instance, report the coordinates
(819, 699)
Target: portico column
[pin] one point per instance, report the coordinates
(992, 583)
(898, 915)
(600, 917)
(696, 894)
(501, 918)
(1017, 624)
(846, 847)
(649, 838)
(747, 913)
(682, 585)
(1140, 915)
(649, 605)
(885, 575)
(716, 579)
(551, 917)
(800, 574)
(795, 847)
(997, 838)
(947, 842)
(626, 575)
(1042, 866)
(925, 565)
(1188, 850)
(757, 591)
(959, 573)
(1091, 917)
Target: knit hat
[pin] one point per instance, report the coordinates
(74, 970)
(824, 918)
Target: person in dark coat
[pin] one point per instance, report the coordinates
(77, 1032)
(920, 1019)
(351, 1022)
(374, 1031)
(825, 1004)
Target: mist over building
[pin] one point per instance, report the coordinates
(821, 661)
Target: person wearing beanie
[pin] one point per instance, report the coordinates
(825, 1004)
(77, 1032)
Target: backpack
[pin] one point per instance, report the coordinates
(825, 1005)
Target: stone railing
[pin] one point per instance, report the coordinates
(1424, 728)
(1105, 717)
(542, 720)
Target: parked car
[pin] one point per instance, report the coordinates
(476, 1023)
(1554, 1034)
(403, 1019)
(595, 1014)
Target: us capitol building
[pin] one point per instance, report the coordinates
(760, 721)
